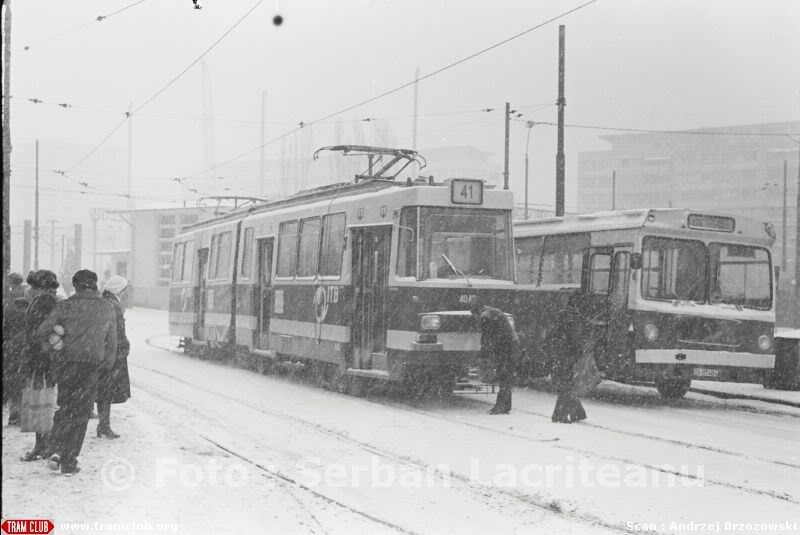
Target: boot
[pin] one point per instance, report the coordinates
(106, 432)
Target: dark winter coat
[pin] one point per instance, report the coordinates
(90, 332)
(13, 347)
(118, 380)
(564, 344)
(499, 342)
(38, 354)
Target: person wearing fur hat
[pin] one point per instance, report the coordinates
(38, 358)
(90, 343)
(114, 386)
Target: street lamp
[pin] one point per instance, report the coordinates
(529, 125)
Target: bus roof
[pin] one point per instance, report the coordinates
(662, 218)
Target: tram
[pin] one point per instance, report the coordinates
(364, 281)
(670, 295)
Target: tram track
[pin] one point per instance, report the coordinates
(542, 503)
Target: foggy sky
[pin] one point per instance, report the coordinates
(634, 64)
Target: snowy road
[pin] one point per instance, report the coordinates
(209, 448)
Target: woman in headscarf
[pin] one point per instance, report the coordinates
(114, 385)
(38, 361)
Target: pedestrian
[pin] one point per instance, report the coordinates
(13, 344)
(90, 342)
(564, 346)
(500, 345)
(38, 356)
(15, 288)
(114, 386)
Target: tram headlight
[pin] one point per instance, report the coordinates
(764, 342)
(650, 332)
(430, 322)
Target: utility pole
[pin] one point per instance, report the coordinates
(505, 169)
(797, 248)
(416, 101)
(95, 215)
(6, 138)
(614, 189)
(783, 231)
(53, 245)
(262, 184)
(36, 214)
(561, 104)
(529, 125)
(26, 247)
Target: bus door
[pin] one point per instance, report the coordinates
(263, 298)
(371, 289)
(607, 304)
(201, 300)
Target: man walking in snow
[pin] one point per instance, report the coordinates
(90, 342)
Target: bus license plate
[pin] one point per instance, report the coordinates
(705, 372)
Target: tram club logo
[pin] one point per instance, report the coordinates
(37, 526)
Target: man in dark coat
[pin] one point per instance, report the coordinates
(114, 384)
(13, 343)
(564, 347)
(499, 344)
(38, 362)
(90, 342)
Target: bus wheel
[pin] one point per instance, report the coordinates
(673, 388)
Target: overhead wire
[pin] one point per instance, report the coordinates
(167, 85)
(436, 72)
(709, 132)
(99, 18)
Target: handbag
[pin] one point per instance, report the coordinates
(585, 375)
(38, 407)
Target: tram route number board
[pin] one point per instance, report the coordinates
(465, 191)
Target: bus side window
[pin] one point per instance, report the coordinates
(529, 256)
(621, 273)
(562, 259)
(599, 273)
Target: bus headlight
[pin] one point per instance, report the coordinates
(764, 342)
(430, 322)
(650, 332)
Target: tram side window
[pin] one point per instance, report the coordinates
(247, 253)
(287, 249)
(407, 243)
(219, 264)
(673, 269)
(599, 273)
(529, 256)
(177, 261)
(188, 261)
(308, 248)
(333, 228)
(562, 260)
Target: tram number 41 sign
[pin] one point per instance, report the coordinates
(465, 191)
(27, 526)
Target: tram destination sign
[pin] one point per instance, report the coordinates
(466, 191)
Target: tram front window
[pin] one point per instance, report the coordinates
(456, 243)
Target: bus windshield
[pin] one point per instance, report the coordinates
(454, 243)
(687, 270)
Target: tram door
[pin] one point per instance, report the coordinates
(263, 298)
(201, 300)
(607, 307)
(371, 289)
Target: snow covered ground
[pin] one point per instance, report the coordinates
(207, 448)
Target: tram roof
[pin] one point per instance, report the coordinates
(664, 218)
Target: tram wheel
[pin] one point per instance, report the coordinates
(673, 388)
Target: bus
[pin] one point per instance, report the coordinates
(362, 282)
(670, 295)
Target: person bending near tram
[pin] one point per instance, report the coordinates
(564, 346)
(500, 345)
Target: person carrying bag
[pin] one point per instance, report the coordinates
(38, 405)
